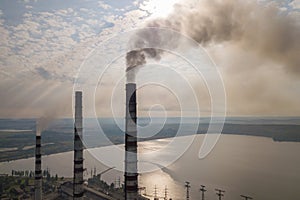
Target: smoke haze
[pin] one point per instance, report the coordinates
(247, 25)
(43, 122)
(255, 45)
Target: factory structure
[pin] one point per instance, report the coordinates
(131, 172)
(77, 189)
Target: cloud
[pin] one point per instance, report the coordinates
(256, 45)
(39, 58)
(28, 7)
(103, 5)
(295, 4)
(34, 98)
(44, 73)
(43, 50)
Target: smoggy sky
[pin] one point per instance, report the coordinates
(44, 43)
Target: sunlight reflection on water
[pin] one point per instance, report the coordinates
(255, 166)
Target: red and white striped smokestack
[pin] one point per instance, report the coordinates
(131, 173)
(78, 149)
(38, 166)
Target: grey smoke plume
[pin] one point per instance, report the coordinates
(43, 122)
(262, 29)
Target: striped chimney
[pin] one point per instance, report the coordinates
(131, 174)
(78, 149)
(38, 167)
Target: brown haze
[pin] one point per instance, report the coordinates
(44, 121)
(265, 30)
(256, 46)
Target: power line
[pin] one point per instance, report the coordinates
(246, 197)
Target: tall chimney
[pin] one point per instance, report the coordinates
(78, 149)
(38, 167)
(131, 175)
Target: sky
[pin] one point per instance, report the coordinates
(45, 48)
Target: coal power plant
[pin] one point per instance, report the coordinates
(80, 187)
(150, 100)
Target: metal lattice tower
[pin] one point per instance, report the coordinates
(220, 193)
(203, 190)
(155, 193)
(166, 193)
(187, 185)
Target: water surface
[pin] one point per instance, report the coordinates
(254, 166)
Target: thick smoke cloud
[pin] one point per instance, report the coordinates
(250, 26)
(143, 45)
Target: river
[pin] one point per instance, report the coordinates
(254, 166)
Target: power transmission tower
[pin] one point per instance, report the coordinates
(220, 193)
(246, 197)
(155, 193)
(202, 189)
(187, 185)
(166, 193)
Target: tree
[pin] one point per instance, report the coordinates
(112, 186)
(48, 176)
(26, 182)
(22, 186)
